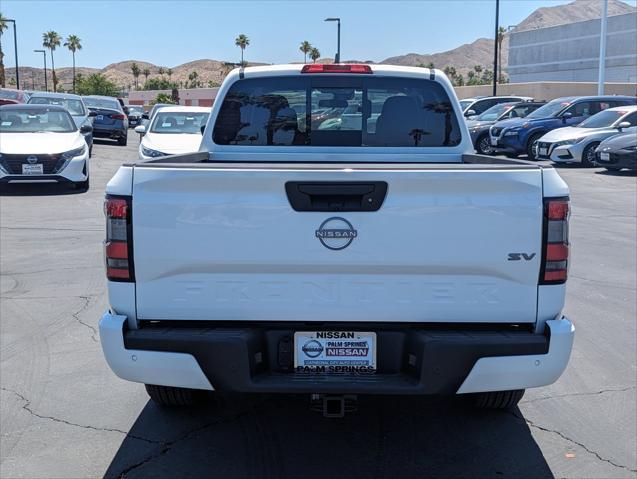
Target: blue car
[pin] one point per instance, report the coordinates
(516, 136)
(74, 105)
(110, 119)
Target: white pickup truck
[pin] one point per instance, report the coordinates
(290, 257)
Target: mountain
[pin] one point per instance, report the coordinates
(577, 11)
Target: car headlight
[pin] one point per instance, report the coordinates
(151, 153)
(69, 155)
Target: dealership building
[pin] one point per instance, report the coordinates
(570, 52)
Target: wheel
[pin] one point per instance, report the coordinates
(498, 399)
(171, 396)
(483, 145)
(529, 145)
(122, 140)
(588, 155)
(83, 185)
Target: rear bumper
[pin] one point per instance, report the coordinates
(114, 133)
(411, 361)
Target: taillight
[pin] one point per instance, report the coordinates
(118, 245)
(117, 116)
(336, 68)
(555, 242)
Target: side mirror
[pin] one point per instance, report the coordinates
(92, 113)
(141, 129)
(623, 124)
(86, 129)
(145, 116)
(470, 113)
(203, 128)
(566, 116)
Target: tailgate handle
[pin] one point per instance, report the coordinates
(336, 196)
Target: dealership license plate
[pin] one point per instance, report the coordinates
(604, 156)
(32, 169)
(543, 151)
(335, 351)
(99, 117)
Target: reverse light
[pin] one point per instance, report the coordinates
(118, 245)
(336, 68)
(555, 241)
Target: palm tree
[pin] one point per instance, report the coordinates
(170, 73)
(51, 40)
(3, 26)
(315, 54)
(305, 47)
(73, 43)
(242, 42)
(193, 77)
(161, 71)
(136, 71)
(501, 32)
(146, 74)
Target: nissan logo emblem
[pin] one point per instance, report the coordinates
(32, 159)
(336, 233)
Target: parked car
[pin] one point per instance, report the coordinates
(577, 144)
(75, 106)
(280, 259)
(516, 136)
(479, 126)
(475, 106)
(618, 152)
(110, 120)
(42, 143)
(147, 117)
(135, 113)
(173, 130)
(9, 96)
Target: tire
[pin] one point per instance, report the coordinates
(90, 151)
(529, 145)
(83, 185)
(588, 155)
(498, 399)
(483, 145)
(122, 140)
(172, 397)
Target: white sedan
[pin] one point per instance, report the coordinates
(577, 144)
(41, 143)
(173, 130)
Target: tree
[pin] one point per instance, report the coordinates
(146, 74)
(315, 54)
(471, 78)
(305, 47)
(161, 71)
(170, 73)
(242, 42)
(163, 98)
(194, 79)
(478, 68)
(501, 33)
(3, 26)
(73, 43)
(431, 65)
(136, 71)
(52, 40)
(158, 84)
(96, 84)
(459, 80)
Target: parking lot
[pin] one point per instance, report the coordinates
(65, 415)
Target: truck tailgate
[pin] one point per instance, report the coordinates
(224, 243)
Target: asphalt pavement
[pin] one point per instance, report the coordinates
(65, 415)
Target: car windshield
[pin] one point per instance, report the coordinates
(102, 103)
(135, 109)
(179, 122)
(75, 107)
(156, 108)
(8, 94)
(495, 112)
(35, 120)
(464, 104)
(551, 109)
(602, 119)
(347, 111)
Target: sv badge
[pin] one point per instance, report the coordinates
(521, 256)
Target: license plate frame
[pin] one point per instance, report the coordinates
(334, 352)
(32, 170)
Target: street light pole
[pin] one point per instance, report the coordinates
(15, 46)
(46, 86)
(337, 59)
(602, 50)
(495, 50)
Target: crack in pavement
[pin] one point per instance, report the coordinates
(616, 285)
(27, 407)
(573, 441)
(76, 315)
(594, 393)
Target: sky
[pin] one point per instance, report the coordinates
(169, 33)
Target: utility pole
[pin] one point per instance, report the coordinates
(337, 58)
(495, 50)
(602, 50)
(15, 46)
(43, 52)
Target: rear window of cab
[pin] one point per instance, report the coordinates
(337, 111)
